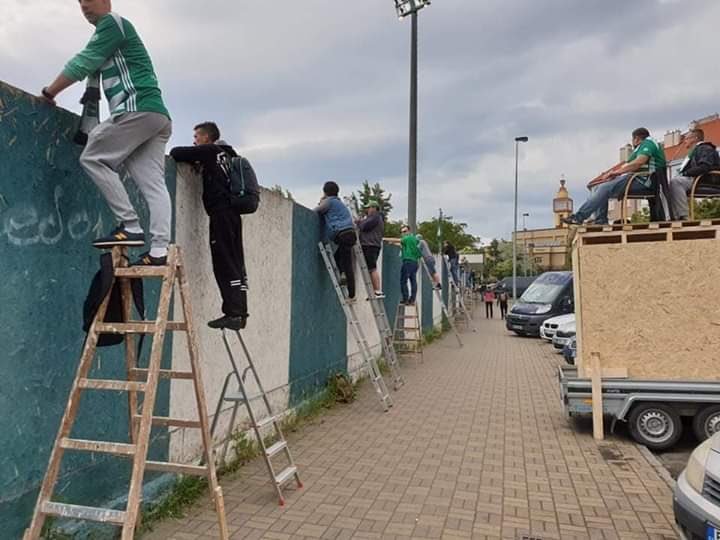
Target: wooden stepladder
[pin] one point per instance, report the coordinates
(141, 386)
(407, 336)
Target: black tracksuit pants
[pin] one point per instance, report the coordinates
(228, 259)
(345, 241)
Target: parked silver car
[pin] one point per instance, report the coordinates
(696, 499)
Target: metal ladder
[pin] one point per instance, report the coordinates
(378, 308)
(438, 295)
(459, 301)
(408, 339)
(143, 381)
(279, 444)
(356, 329)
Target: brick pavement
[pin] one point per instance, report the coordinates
(475, 447)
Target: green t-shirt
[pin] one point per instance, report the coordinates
(649, 147)
(128, 77)
(410, 247)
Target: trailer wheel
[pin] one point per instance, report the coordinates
(655, 425)
(707, 422)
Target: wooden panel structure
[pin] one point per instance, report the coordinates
(646, 299)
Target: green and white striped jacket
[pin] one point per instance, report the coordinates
(128, 77)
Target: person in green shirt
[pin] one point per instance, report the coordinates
(647, 155)
(134, 136)
(410, 251)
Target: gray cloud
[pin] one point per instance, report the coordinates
(319, 89)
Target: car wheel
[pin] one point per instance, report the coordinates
(706, 422)
(655, 425)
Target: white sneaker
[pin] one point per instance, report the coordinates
(379, 294)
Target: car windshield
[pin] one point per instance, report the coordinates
(545, 289)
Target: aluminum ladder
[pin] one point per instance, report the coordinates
(438, 295)
(459, 301)
(240, 396)
(378, 308)
(349, 308)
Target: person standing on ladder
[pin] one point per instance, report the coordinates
(453, 260)
(429, 259)
(226, 235)
(410, 251)
(371, 229)
(136, 134)
(338, 227)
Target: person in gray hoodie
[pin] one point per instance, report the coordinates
(702, 158)
(429, 260)
(371, 229)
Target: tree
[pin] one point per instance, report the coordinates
(392, 229)
(378, 194)
(452, 231)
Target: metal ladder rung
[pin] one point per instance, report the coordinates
(276, 448)
(119, 449)
(178, 468)
(74, 511)
(171, 422)
(266, 421)
(285, 475)
(105, 384)
(165, 373)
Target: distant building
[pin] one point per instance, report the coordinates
(547, 249)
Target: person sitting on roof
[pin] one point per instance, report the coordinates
(647, 155)
(702, 159)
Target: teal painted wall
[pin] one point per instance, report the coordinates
(391, 264)
(318, 331)
(49, 213)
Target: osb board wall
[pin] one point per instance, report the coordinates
(653, 308)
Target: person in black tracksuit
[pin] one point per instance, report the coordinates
(226, 239)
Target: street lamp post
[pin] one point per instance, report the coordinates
(518, 140)
(405, 8)
(525, 250)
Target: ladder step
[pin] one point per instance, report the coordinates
(126, 328)
(74, 511)
(177, 468)
(170, 422)
(164, 373)
(120, 449)
(142, 271)
(285, 475)
(103, 384)
(265, 421)
(275, 448)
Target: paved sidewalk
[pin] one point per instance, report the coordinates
(475, 447)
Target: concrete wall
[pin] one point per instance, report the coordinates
(49, 213)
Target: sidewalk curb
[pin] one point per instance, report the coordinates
(662, 472)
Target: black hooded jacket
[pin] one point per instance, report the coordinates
(702, 160)
(216, 195)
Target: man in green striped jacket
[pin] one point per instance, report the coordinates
(136, 133)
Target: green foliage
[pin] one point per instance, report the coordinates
(452, 231)
(378, 194)
(707, 209)
(643, 216)
(392, 229)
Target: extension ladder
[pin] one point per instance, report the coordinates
(407, 336)
(438, 295)
(143, 381)
(279, 444)
(356, 329)
(459, 301)
(378, 308)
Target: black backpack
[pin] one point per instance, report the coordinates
(241, 182)
(99, 288)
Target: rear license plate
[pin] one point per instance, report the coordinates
(712, 533)
(517, 326)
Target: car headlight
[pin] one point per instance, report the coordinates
(543, 308)
(695, 470)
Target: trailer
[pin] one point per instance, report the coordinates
(653, 410)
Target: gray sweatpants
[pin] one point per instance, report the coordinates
(679, 187)
(136, 140)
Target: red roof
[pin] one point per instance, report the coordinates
(711, 128)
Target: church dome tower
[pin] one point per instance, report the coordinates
(562, 204)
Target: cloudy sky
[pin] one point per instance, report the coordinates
(318, 89)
